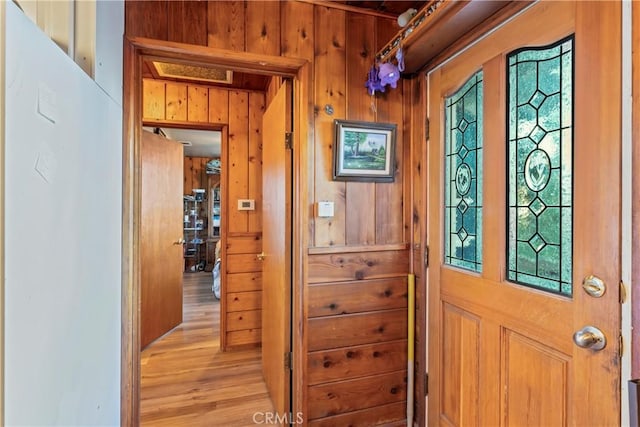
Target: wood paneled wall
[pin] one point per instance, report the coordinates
(239, 114)
(195, 174)
(372, 220)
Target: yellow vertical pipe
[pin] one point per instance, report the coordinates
(411, 315)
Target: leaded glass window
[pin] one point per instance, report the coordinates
(463, 176)
(540, 144)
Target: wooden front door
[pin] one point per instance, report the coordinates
(276, 245)
(524, 196)
(161, 261)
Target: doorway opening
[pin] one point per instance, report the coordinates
(136, 52)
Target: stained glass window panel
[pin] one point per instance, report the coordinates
(540, 181)
(463, 176)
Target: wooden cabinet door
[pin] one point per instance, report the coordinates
(524, 156)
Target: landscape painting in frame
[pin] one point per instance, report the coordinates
(364, 151)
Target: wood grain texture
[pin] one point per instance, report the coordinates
(389, 196)
(176, 101)
(460, 355)
(635, 344)
(226, 25)
(248, 319)
(238, 154)
(187, 380)
(193, 12)
(243, 339)
(387, 415)
(146, 19)
(357, 266)
(360, 219)
(160, 258)
(262, 27)
(356, 361)
(242, 301)
(197, 103)
(355, 297)
(330, 89)
(254, 159)
(195, 176)
(218, 106)
(242, 282)
(242, 263)
(244, 245)
(296, 30)
(354, 329)
(352, 395)
(153, 100)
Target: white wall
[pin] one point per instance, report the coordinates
(62, 232)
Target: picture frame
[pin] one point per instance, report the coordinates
(364, 151)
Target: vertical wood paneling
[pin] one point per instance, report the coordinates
(187, 22)
(389, 209)
(176, 102)
(263, 27)
(297, 30)
(146, 19)
(256, 110)
(198, 104)
(330, 89)
(360, 221)
(237, 162)
(226, 24)
(218, 105)
(153, 100)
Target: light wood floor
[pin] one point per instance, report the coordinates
(188, 381)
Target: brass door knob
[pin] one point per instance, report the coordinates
(180, 241)
(260, 256)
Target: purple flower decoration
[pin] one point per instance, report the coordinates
(373, 83)
(389, 74)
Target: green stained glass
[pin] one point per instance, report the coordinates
(463, 176)
(540, 182)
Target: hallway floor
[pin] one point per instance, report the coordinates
(188, 381)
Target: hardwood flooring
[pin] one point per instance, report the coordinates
(188, 381)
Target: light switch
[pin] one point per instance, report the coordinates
(325, 209)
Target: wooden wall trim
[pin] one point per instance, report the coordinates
(635, 280)
(238, 61)
(348, 8)
(130, 342)
(135, 49)
(352, 249)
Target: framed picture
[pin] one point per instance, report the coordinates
(364, 151)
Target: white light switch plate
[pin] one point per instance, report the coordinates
(325, 209)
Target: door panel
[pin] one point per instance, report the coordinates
(500, 352)
(161, 261)
(276, 283)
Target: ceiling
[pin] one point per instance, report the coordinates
(392, 7)
(196, 143)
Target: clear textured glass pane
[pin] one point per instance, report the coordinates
(463, 176)
(540, 182)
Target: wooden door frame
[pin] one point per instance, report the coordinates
(300, 71)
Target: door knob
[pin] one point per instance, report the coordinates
(260, 256)
(180, 241)
(590, 337)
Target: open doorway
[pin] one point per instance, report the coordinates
(134, 110)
